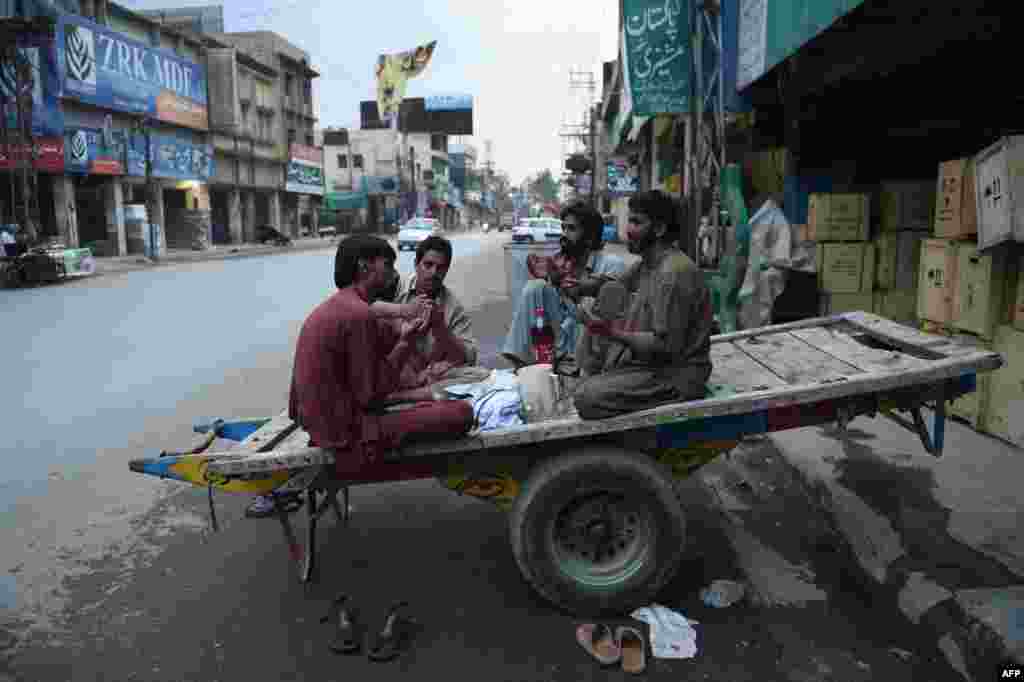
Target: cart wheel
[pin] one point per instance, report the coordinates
(599, 531)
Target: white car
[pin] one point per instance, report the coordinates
(530, 230)
(416, 230)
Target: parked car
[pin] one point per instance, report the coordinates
(267, 233)
(530, 230)
(416, 230)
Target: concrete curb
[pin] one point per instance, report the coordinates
(974, 642)
(220, 253)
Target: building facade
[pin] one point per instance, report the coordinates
(274, 122)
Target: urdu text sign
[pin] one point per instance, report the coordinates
(657, 55)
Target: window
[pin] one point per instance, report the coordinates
(307, 87)
(342, 161)
(357, 161)
(288, 83)
(439, 143)
(291, 136)
(310, 141)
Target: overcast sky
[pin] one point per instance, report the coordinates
(513, 56)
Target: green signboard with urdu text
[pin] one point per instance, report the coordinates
(657, 55)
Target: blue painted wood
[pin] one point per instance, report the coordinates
(236, 431)
(726, 427)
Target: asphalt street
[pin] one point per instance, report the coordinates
(107, 575)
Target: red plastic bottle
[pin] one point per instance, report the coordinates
(542, 336)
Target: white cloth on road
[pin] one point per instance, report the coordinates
(672, 634)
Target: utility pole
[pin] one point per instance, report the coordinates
(584, 133)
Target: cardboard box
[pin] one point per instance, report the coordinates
(897, 305)
(956, 214)
(833, 304)
(907, 205)
(846, 268)
(974, 406)
(899, 255)
(999, 188)
(937, 281)
(979, 298)
(839, 217)
(1017, 312)
(1004, 416)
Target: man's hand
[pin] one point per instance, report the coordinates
(413, 328)
(420, 307)
(433, 313)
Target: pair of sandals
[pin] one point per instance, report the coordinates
(385, 645)
(625, 644)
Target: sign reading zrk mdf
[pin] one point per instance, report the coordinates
(109, 70)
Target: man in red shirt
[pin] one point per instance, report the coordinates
(343, 373)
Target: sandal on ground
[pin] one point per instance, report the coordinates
(631, 644)
(265, 506)
(598, 640)
(393, 638)
(344, 641)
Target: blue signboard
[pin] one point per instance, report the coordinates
(136, 154)
(448, 103)
(38, 55)
(176, 157)
(91, 152)
(109, 70)
(384, 184)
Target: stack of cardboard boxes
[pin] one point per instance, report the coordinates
(840, 225)
(974, 295)
(925, 267)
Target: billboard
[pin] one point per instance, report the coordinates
(39, 57)
(415, 118)
(393, 73)
(305, 170)
(106, 69)
(89, 151)
(178, 157)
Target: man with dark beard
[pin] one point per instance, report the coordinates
(556, 283)
(662, 352)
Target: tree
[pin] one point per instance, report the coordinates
(545, 187)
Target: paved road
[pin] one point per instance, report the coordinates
(111, 576)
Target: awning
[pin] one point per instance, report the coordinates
(340, 201)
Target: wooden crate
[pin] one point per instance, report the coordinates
(956, 212)
(907, 205)
(1004, 416)
(839, 217)
(980, 295)
(973, 407)
(846, 268)
(937, 281)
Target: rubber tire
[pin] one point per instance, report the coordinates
(599, 467)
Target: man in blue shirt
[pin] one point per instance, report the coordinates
(556, 282)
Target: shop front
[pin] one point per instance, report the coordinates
(304, 190)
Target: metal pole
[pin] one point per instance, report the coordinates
(593, 156)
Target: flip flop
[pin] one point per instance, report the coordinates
(631, 643)
(344, 641)
(393, 637)
(598, 641)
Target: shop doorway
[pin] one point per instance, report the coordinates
(176, 230)
(90, 207)
(220, 217)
